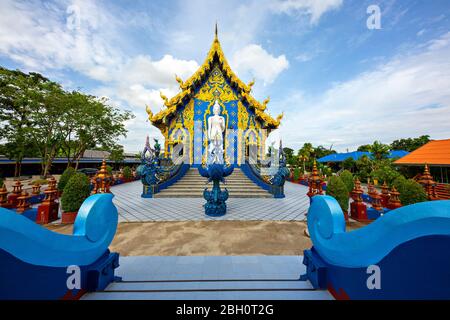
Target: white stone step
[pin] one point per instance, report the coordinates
(210, 278)
(192, 185)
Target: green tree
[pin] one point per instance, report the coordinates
(384, 171)
(364, 166)
(97, 124)
(304, 154)
(321, 151)
(347, 178)
(117, 154)
(379, 150)
(75, 192)
(18, 99)
(349, 164)
(291, 159)
(337, 189)
(364, 148)
(410, 144)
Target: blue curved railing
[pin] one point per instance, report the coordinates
(368, 245)
(35, 259)
(408, 245)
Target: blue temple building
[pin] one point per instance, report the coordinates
(184, 117)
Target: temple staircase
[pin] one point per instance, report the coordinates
(193, 184)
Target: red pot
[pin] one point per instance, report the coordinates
(68, 217)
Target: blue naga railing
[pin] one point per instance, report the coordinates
(174, 177)
(252, 172)
(37, 263)
(407, 249)
(158, 178)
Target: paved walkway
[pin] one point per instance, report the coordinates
(134, 208)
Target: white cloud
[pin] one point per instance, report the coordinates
(159, 73)
(256, 61)
(76, 35)
(312, 8)
(406, 97)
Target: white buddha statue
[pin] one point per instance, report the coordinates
(216, 127)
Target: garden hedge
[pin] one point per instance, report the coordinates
(127, 173)
(65, 177)
(337, 189)
(75, 192)
(347, 178)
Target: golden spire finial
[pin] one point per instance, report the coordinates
(216, 32)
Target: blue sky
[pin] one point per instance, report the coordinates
(337, 82)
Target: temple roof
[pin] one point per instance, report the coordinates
(434, 153)
(188, 87)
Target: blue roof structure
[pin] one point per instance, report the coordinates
(355, 155)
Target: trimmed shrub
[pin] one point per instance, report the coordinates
(347, 178)
(337, 189)
(127, 173)
(1, 182)
(296, 174)
(410, 191)
(109, 169)
(75, 192)
(40, 181)
(65, 177)
(398, 182)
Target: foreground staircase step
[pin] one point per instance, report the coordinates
(210, 278)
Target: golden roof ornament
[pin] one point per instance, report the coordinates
(188, 87)
(180, 82)
(251, 83)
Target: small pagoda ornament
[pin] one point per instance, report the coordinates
(427, 182)
(16, 192)
(48, 210)
(314, 182)
(4, 197)
(394, 200)
(385, 195)
(358, 209)
(23, 203)
(36, 189)
(376, 201)
(102, 180)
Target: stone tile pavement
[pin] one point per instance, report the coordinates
(133, 208)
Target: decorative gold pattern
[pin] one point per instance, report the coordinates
(216, 87)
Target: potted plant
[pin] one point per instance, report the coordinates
(75, 192)
(337, 189)
(67, 174)
(127, 174)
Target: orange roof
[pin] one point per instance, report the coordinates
(436, 152)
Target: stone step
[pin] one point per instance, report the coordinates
(193, 184)
(209, 185)
(179, 194)
(210, 278)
